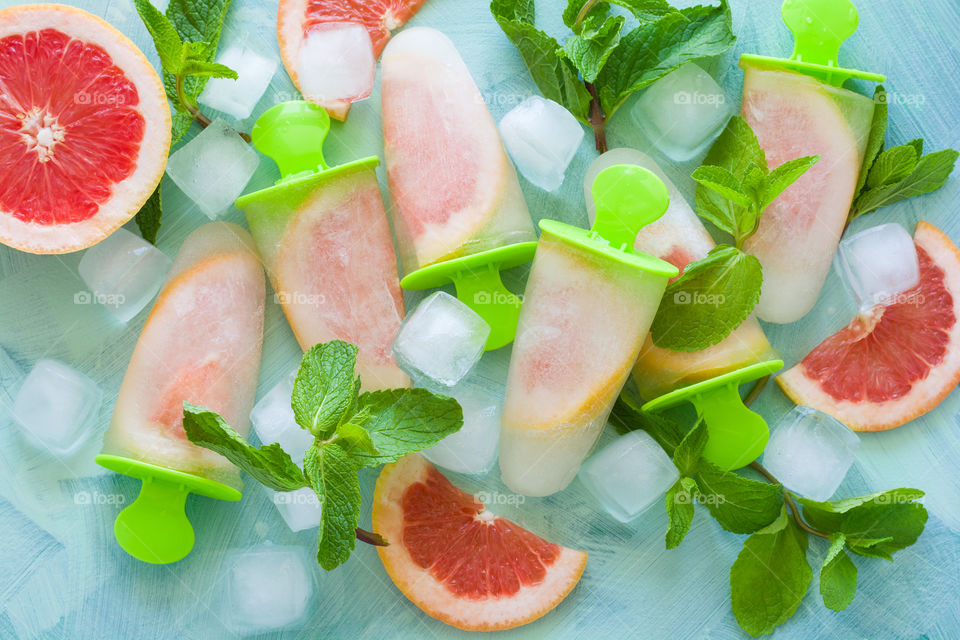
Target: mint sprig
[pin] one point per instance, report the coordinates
(895, 174)
(771, 575)
(598, 66)
(351, 431)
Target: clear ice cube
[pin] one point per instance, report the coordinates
(57, 407)
(336, 62)
(268, 587)
(682, 112)
(629, 475)
(810, 452)
(472, 449)
(442, 339)
(878, 264)
(239, 97)
(272, 418)
(124, 272)
(300, 509)
(213, 168)
(542, 138)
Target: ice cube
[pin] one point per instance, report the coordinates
(810, 452)
(472, 449)
(57, 407)
(682, 112)
(239, 97)
(629, 475)
(336, 62)
(272, 419)
(268, 587)
(300, 509)
(124, 273)
(441, 340)
(213, 168)
(542, 138)
(878, 264)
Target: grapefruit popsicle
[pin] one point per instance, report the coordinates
(587, 308)
(201, 344)
(458, 211)
(326, 244)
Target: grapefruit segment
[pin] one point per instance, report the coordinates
(459, 562)
(895, 361)
(84, 128)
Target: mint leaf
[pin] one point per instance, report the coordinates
(334, 478)
(878, 131)
(930, 173)
(654, 49)
(355, 439)
(712, 297)
(642, 10)
(838, 576)
(893, 165)
(680, 510)
(269, 465)
(687, 455)
(554, 76)
(917, 144)
(148, 218)
(167, 41)
(770, 577)
(890, 496)
(627, 417)
(739, 504)
(325, 390)
(781, 178)
(590, 49)
(403, 421)
(725, 184)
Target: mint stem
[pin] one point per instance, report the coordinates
(791, 503)
(597, 120)
(371, 538)
(582, 15)
(195, 112)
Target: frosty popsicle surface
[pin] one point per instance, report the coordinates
(201, 344)
(587, 308)
(458, 211)
(326, 244)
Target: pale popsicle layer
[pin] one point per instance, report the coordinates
(454, 190)
(201, 344)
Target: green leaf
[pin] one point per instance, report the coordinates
(876, 525)
(589, 50)
(626, 417)
(403, 421)
(642, 10)
(654, 49)
(769, 578)
(782, 177)
(269, 465)
(555, 76)
(893, 165)
(917, 144)
(929, 174)
(334, 477)
(325, 391)
(679, 501)
(721, 181)
(878, 131)
(355, 439)
(687, 455)
(148, 218)
(739, 504)
(712, 298)
(738, 151)
(208, 69)
(838, 576)
(166, 40)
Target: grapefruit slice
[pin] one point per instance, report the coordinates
(297, 20)
(459, 562)
(794, 116)
(84, 128)
(895, 361)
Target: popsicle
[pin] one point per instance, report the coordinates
(587, 308)
(201, 344)
(798, 107)
(458, 211)
(325, 241)
(680, 238)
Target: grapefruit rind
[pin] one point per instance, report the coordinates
(924, 394)
(420, 587)
(130, 194)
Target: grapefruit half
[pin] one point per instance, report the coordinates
(296, 19)
(84, 128)
(895, 361)
(459, 562)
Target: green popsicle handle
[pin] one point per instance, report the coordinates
(737, 434)
(819, 27)
(482, 290)
(292, 133)
(628, 197)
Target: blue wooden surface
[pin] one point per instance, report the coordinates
(62, 575)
